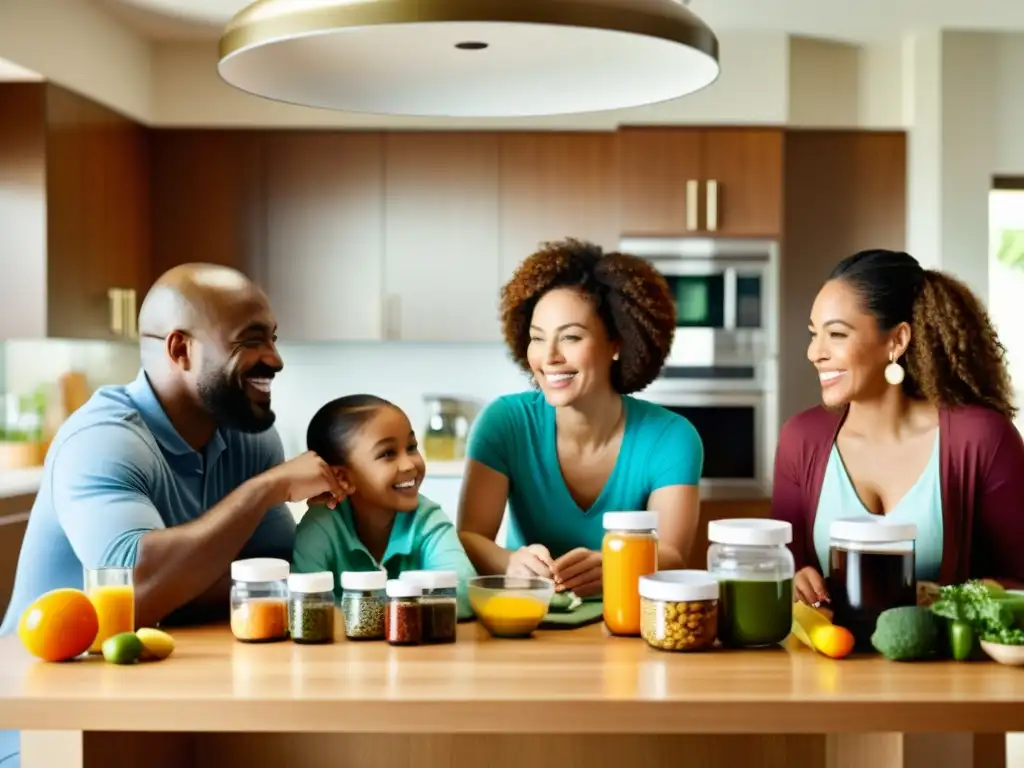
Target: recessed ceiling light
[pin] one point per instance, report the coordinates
(409, 57)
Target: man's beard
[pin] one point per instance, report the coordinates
(229, 404)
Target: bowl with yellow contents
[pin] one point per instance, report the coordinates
(510, 606)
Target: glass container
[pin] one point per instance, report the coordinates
(629, 550)
(679, 610)
(112, 593)
(755, 569)
(259, 600)
(439, 603)
(872, 566)
(363, 604)
(311, 607)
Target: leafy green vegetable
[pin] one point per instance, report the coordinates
(991, 615)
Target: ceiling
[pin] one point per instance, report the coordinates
(851, 20)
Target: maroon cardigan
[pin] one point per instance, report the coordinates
(982, 463)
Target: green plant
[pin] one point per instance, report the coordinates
(1011, 248)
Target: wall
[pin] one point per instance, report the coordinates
(966, 102)
(74, 44)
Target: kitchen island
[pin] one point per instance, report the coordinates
(563, 699)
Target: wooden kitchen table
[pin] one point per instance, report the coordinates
(561, 699)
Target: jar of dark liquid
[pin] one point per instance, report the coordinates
(871, 569)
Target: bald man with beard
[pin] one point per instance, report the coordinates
(180, 472)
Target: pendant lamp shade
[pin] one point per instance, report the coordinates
(468, 58)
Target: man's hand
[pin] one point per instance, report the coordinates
(305, 476)
(579, 570)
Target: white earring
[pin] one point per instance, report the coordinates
(894, 373)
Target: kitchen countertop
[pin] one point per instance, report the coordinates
(561, 682)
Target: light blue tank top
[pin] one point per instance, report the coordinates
(922, 505)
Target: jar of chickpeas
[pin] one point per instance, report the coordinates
(679, 610)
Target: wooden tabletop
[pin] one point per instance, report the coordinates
(559, 681)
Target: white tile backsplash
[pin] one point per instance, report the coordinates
(401, 373)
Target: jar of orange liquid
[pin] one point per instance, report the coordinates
(629, 551)
(112, 593)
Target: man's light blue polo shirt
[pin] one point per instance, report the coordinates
(116, 469)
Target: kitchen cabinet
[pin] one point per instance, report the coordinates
(554, 186)
(75, 249)
(207, 196)
(703, 182)
(325, 234)
(441, 225)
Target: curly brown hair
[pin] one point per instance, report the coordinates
(955, 356)
(629, 295)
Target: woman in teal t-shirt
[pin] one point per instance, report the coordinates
(590, 328)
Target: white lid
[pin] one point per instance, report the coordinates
(679, 586)
(399, 588)
(869, 531)
(364, 581)
(630, 521)
(260, 569)
(309, 583)
(431, 579)
(751, 532)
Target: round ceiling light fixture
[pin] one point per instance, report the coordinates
(468, 58)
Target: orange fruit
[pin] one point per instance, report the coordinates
(59, 625)
(833, 641)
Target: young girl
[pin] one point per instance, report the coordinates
(383, 522)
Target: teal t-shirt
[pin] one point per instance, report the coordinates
(515, 435)
(922, 505)
(423, 540)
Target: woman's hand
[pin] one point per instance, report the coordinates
(579, 570)
(527, 562)
(810, 587)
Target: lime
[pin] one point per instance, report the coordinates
(124, 648)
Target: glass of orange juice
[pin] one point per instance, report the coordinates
(112, 592)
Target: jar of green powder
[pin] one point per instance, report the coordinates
(311, 607)
(755, 569)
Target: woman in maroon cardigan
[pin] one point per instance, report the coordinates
(917, 409)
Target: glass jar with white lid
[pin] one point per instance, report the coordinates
(311, 607)
(872, 567)
(439, 604)
(363, 602)
(259, 599)
(755, 570)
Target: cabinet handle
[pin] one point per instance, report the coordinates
(691, 205)
(116, 311)
(131, 319)
(712, 206)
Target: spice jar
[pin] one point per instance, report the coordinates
(363, 604)
(311, 607)
(679, 610)
(872, 567)
(754, 568)
(439, 604)
(259, 600)
(403, 619)
(629, 550)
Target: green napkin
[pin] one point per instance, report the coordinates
(587, 612)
